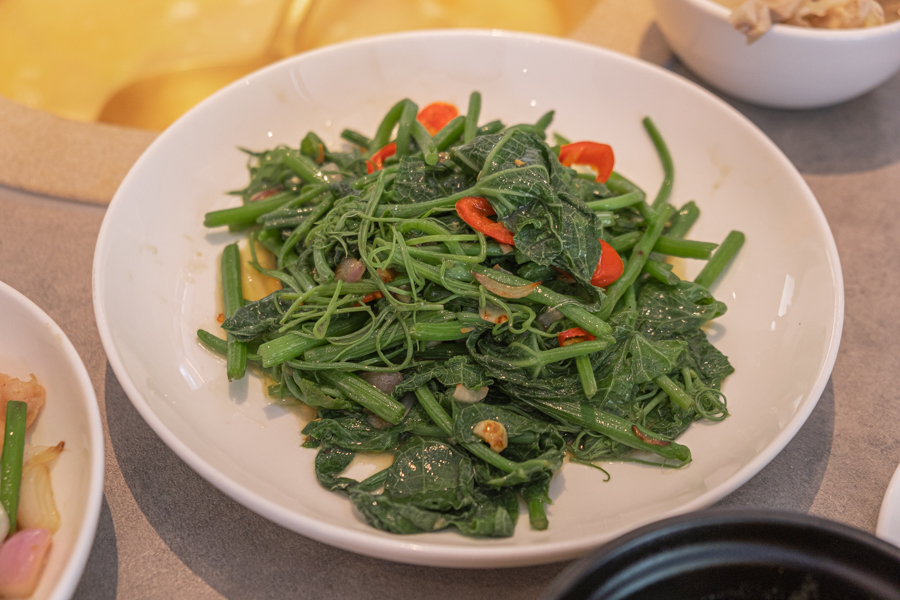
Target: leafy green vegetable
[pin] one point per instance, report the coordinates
(665, 311)
(457, 370)
(439, 350)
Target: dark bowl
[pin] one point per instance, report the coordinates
(736, 554)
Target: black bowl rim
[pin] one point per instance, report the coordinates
(709, 520)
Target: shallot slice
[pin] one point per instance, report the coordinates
(503, 290)
(22, 559)
(386, 382)
(262, 195)
(349, 270)
(548, 317)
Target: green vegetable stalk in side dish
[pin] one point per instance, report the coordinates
(455, 296)
(11, 459)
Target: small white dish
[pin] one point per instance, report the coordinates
(32, 343)
(155, 275)
(788, 67)
(888, 526)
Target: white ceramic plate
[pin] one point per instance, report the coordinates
(888, 527)
(30, 342)
(155, 275)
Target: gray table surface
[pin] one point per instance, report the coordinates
(166, 533)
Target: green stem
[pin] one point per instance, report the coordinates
(541, 358)
(433, 410)
(383, 134)
(723, 256)
(11, 459)
(220, 346)
(298, 236)
(371, 178)
(586, 374)
(236, 352)
(292, 345)
(661, 271)
(365, 394)
(305, 168)
(678, 395)
(405, 126)
(490, 128)
(683, 220)
(537, 514)
(636, 262)
(666, 244)
(544, 121)
(617, 202)
(620, 186)
(472, 114)
(444, 138)
(247, 214)
(392, 336)
(666, 159)
(354, 137)
(674, 246)
(570, 307)
(610, 425)
(425, 142)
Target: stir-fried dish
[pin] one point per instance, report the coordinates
(28, 512)
(477, 302)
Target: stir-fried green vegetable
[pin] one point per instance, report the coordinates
(478, 364)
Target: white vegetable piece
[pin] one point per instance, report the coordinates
(464, 394)
(37, 505)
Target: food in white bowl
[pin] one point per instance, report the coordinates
(425, 331)
(61, 483)
(753, 18)
(28, 513)
(784, 291)
(789, 66)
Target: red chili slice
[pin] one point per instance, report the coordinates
(574, 336)
(436, 115)
(599, 157)
(609, 268)
(376, 161)
(475, 211)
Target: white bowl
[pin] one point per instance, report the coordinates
(155, 275)
(788, 67)
(32, 343)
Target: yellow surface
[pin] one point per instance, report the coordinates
(142, 63)
(335, 21)
(67, 56)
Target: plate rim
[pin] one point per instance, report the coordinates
(71, 574)
(406, 549)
